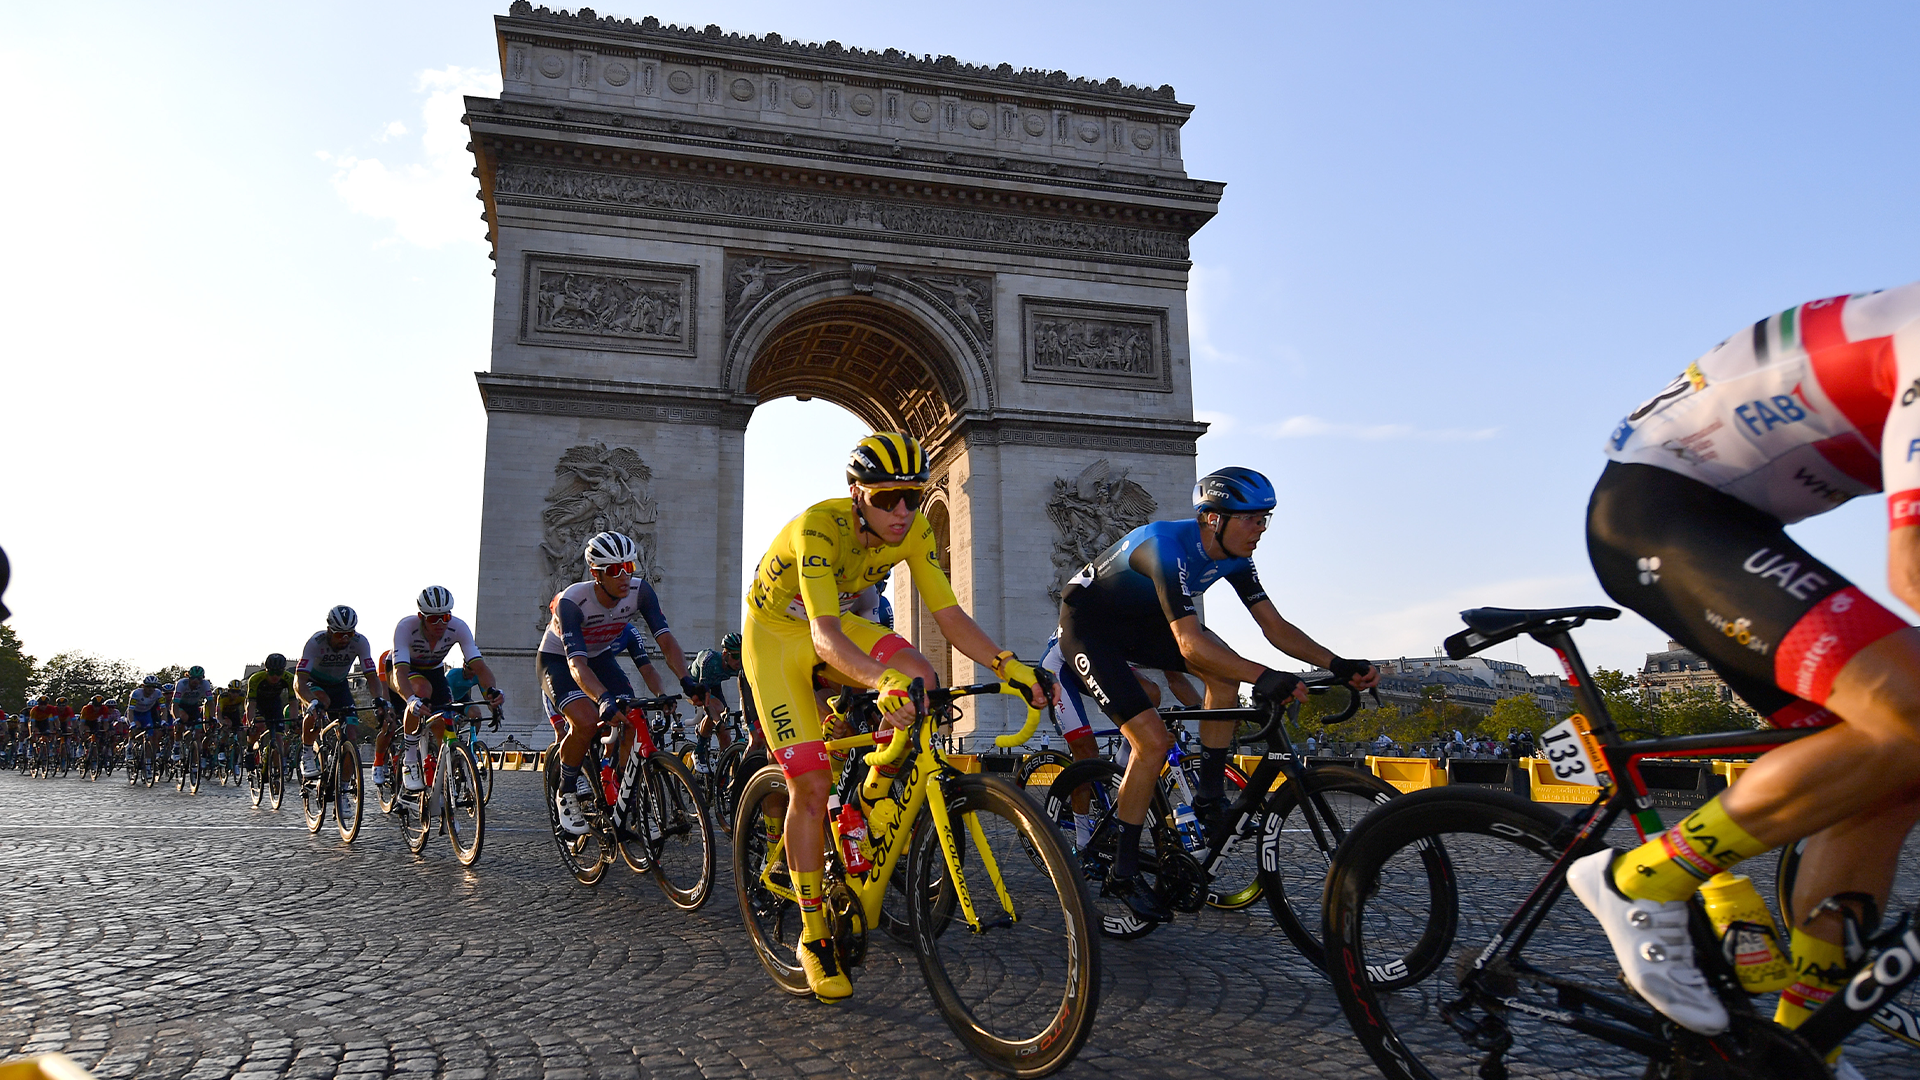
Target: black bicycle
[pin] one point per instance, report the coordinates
(339, 781)
(1488, 969)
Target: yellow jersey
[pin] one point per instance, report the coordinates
(817, 565)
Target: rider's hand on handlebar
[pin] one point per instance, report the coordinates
(696, 694)
(1358, 674)
(612, 708)
(1279, 686)
(1020, 678)
(896, 700)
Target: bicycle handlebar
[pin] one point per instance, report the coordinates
(1033, 714)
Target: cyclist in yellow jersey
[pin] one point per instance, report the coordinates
(797, 618)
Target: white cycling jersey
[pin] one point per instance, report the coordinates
(321, 660)
(144, 700)
(1807, 409)
(582, 626)
(410, 644)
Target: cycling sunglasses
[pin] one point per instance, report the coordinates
(615, 569)
(441, 617)
(889, 498)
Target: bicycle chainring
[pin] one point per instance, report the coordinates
(848, 922)
(1183, 881)
(1751, 1049)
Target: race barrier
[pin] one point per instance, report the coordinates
(1672, 785)
(518, 760)
(1408, 774)
(966, 763)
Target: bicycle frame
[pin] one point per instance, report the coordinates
(1888, 969)
(918, 786)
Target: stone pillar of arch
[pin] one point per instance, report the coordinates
(687, 222)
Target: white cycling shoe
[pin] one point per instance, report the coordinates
(380, 775)
(571, 819)
(1650, 940)
(309, 765)
(412, 778)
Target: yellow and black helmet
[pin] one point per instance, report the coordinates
(887, 457)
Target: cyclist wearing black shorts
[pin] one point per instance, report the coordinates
(267, 692)
(1789, 418)
(1135, 605)
(320, 681)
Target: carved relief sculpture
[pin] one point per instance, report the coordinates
(608, 304)
(969, 298)
(750, 279)
(1084, 344)
(1090, 514)
(595, 489)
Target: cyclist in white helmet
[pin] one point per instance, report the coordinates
(421, 643)
(320, 680)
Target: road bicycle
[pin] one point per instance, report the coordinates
(339, 781)
(267, 779)
(466, 725)
(453, 796)
(655, 820)
(722, 782)
(1487, 968)
(1275, 839)
(993, 906)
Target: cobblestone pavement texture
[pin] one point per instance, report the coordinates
(151, 933)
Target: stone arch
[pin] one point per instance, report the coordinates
(884, 348)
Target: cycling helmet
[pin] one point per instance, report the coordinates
(168, 687)
(610, 549)
(435, 600)
(60, 701)
(233, 684)
(150, 681)
(887, 457)
(196, 672)
(342, 619)
(97, 699)
(1233, 491)
(730, 643)
(276, 663)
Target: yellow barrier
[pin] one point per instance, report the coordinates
(1543, 786)
(1730, 769)
(47, 1066)
(1408, 774)
(966, 763)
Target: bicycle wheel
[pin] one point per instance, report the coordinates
(465, 807)
(257, 779)
(1021, 991)
(1235, 881)
(346, 791)
(1293, 858)
(276, 777)
(1419, 1021)
(767, 903)
(194, 768)
(682, 850)
(1037, 772)
(483, 770)
(722, 783)
(587, 856)
(314, 795)
(1092, 836)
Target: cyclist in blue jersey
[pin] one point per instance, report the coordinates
(1135, 605)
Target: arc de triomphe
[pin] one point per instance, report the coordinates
(687, 222)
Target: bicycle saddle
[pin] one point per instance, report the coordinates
(1493, 625)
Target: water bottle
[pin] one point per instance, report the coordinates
(1746, 928)
(1187, 824)
(606, 774)
(853, 836)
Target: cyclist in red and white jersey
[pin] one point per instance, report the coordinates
(1786, 419)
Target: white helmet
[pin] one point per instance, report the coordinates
(342, 619)
(609, 548)
(435, 600)
(150, 681)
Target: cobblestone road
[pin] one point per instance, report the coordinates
(150, 933)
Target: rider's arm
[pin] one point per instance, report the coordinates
(1903, 564)
(1900, 465)
(670, 650)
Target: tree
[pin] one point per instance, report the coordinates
(1621, 692)
(1518, 713)
(16, 671)
(1698, 710)
(78, 676)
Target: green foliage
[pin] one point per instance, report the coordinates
(1520, 712)
(78, 676)
(170, 673)
(16, 671)
(1695, 711)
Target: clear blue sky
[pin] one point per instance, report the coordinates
(247, 287)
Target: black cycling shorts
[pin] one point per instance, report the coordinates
(1100, 649)
(1725, 580)
(436, 677)
(556, 682)
(339, 698)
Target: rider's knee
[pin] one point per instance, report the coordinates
(1151, 738)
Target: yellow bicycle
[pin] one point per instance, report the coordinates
(993, 906)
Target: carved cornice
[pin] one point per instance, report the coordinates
(873, 219)
(888, 63)
(1090, 433)
(605, 399)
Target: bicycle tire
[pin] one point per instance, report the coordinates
(1099, 779)
(1293, 861)
(483, 769)
(1038, 770)
(683, 855)
(1235, 882)
(464, 807)
(348, 796)
(195, 771)
(277, 779)
(721, 785)
(587, 856)
(257, 779)
(1382, 908)
(1023, 992)
(772, 920)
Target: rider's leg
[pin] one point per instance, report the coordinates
(1216, 737)
(1150, 739)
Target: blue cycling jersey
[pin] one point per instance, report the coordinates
(1158, 567)
(632, 644)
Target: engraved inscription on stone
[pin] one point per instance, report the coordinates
(595, 489)
(750, 278)
(1086, 343)
(1090, 514)
(968, 228)
(608, 304)
(970, 299)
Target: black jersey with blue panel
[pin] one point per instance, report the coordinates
(1157, 568)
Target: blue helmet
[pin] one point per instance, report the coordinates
(1234, 491)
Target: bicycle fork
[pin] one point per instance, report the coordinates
(950, 848)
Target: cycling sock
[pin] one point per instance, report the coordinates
(813, 914)
(1677, 862)
(379, 758)
(1819, 969)
(1082, 829)
(1213, 772)
(1127, 862)
(569, 777)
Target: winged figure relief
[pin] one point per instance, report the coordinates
(1091, 513)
